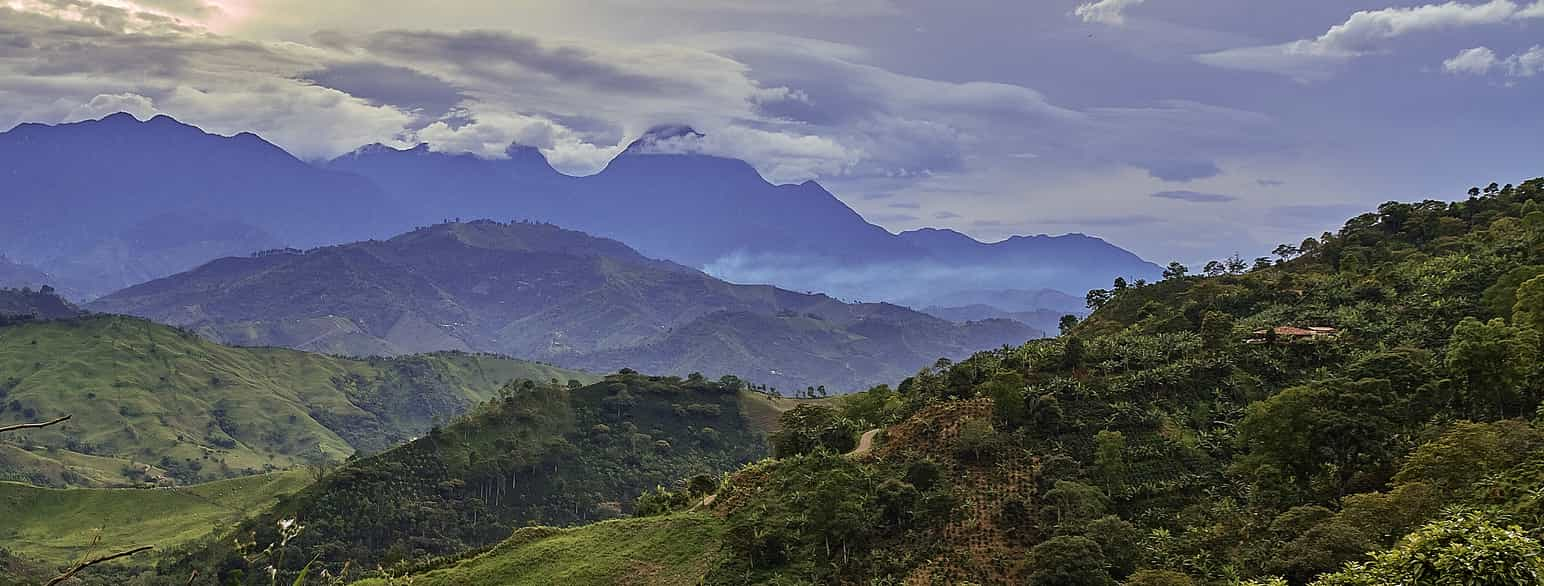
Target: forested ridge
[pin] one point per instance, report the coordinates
(538, 453)
(1362, 409)
(1195, 431)
(1190, 431)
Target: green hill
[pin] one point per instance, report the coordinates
(156, 404)
(1165, 441)
(56, 526)
(536, 454)
(674, 550)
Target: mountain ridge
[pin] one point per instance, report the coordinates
(543, 292)
(660, 197)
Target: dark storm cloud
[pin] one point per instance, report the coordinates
(1194, 196)
(403, 87)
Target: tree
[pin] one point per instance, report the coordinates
(1096, 298)
(1214, 268)
(1528, 310)
(1326, 431)
(1216, 328)
(1261, 263)
(1066, 324)
(1236, 265)
(1286, 251)
(1120, 283)
(1309, 246)
(1465, 548)
(1068, 560)
(1175, 270)
(1490, 360)
(1110, 458)
(807, 428)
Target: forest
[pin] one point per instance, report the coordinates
(1361, 409)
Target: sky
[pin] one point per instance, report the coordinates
(1179, 129)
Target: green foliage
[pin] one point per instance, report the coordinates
(807, 428)
(1464, 548)
(822, 517)
(1067, 561)
(1491, 360)
(1327, 432)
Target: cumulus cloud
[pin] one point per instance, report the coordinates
(1110, 12)
(1366, 32)
(1195, 196)
(1483, 60)
(1476, 61)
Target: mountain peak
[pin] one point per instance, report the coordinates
(665, 138)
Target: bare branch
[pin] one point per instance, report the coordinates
(34, 425)
(86, 564)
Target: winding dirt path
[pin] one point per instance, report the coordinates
(865, 443)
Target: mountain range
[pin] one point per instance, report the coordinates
(103, 204)
(542, 292)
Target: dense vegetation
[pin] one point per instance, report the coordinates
(1190, 431)
(536, 454)
(1193, 431)
(153, 404)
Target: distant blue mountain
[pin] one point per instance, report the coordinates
(81, 199)
(84, 200)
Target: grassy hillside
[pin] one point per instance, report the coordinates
(1164, 442)
(56, 526)
(536, 454)
(673, 550)
(161, 405)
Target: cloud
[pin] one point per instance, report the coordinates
(380, 83)
(1180, 170)
(795, 108)
(1483, 60)
(1195, 196)
(945, 215)
(1110, 12)
(1476, 61)
(1270, 182)
(1367, 32)
(906, 205)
